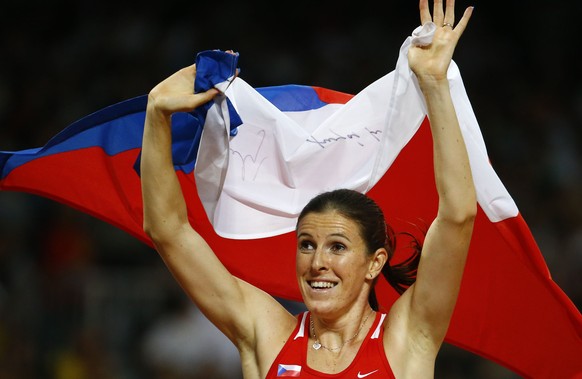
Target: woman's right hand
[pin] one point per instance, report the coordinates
(176, 93)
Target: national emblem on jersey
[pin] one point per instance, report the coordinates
(288, 371)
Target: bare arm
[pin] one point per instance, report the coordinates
(231, 304)
(428, 305)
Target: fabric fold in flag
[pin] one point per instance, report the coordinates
(250, 160)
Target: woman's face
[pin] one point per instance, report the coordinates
(331, 263)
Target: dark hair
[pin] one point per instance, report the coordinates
(375, 232)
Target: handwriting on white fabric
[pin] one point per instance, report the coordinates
(323, 142)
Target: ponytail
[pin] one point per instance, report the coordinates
(401, 275)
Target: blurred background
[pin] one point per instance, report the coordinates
(81, 299)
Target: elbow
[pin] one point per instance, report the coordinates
(468, 212)
(158, 232)
(464, 214)
(467, 218)
(148, 229)
(161, 225)
(151, 232)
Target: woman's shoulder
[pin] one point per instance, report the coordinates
(273, 328)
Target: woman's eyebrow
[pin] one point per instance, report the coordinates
(340, 235)
(307, 235)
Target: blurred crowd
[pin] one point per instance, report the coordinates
(81, 299)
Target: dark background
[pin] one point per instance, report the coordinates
(81, 299)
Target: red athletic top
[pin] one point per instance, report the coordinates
(370, 361)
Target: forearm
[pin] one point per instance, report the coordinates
(447, 241)
(452, 170)
(164, 206)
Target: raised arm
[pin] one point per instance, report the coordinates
(232, 305)
(428, 304)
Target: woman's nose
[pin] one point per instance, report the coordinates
(319, 260)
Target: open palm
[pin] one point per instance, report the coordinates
(432, 61)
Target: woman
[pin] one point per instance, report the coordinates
(337, 264)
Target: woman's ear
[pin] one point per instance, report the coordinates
(377, 262)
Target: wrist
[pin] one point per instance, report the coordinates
(155, 113)
(432, 82)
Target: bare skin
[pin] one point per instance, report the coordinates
(330, 250)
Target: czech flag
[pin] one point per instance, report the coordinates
(288, 371)
(251, 159)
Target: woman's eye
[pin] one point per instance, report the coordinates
(306, 246)
(338, 247)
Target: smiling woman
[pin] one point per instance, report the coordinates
(365, 220)
(333, 268)
(343, 245)
(518, 77)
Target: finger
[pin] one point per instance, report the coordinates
(424, 12)
(191, 68)
(206, 96)
(211, 93)
(438, 15)
(460, 28)
(193, 101)
(450, 13)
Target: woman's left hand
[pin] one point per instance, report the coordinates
(431, 62)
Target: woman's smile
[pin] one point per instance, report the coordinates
(331, 259)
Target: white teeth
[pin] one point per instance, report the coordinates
(322, 285)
